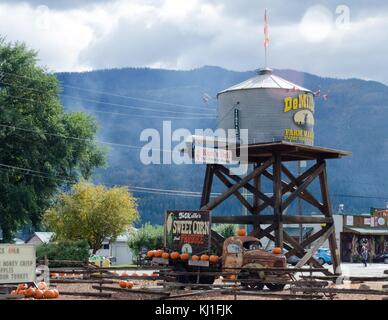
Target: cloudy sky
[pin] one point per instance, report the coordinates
(329, 38)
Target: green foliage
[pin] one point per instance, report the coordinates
(34, 140)
(226, 230)
(148, 236)
(64, 250)
(92, 213)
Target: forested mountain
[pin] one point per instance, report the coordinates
(354, 118)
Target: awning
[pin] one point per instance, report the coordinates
(367, 231)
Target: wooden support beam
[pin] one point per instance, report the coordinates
(261, 233)
(277, 208)
(228, 184)
(269, 219)
(225, 195)
(207, 185)
(314, 249)
(256, 192)
(305, 195)
(303, 186)
(328, 213)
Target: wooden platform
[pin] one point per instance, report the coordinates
(290, 152)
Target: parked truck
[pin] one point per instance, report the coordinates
(188, 252)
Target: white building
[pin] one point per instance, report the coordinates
(38, 238)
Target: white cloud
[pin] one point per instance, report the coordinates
(191, 33)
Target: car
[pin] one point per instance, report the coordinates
(382, 258)
(293, 260)
(323, 256)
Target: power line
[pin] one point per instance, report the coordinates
(114, 95)
(118, 105)
(121, 114)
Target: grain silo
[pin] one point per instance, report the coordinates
(271, 108)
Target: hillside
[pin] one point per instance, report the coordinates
(353, 118)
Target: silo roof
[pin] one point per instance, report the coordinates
(265, 80)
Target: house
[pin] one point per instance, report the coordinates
(38, 238)
(117, 251)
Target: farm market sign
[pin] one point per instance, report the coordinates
(187, 231)
(17, 263)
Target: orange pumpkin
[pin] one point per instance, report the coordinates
(145, 275)
(124, 275)
(134, 274)
(174, 255)
(123, 284)
(30, 292)
(21, 286)
(154, 275)
(165, 255)
(277, 250)
(38, 294)
(195, 258)
(241, 232)
(42, 285)
(213, 259)
(129, 285)
(159, 253)
(22, 292)
(185, 256)
(204, 257)
(232, 277)
(56, 293)
(49, 294)
(150, 253)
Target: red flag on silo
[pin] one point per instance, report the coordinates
(266, 37)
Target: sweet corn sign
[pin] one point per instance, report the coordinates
(17, 263)
(301, 108)
(187, 231)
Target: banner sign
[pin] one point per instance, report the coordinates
(17, 263)
(187, 231)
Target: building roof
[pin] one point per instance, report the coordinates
(45, 237)
(265, 79)
(367, 231)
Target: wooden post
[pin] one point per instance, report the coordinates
(277, 193)
(328, 213)
(207, 185)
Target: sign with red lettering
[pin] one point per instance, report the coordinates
(187, 231)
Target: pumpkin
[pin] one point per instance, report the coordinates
(30, 292)
(165, 255)
(129, 285)
(56, 293)
(195, 258)
(21, 286)
(204, 257)
(123, 284)
(241, 232)
(277, 250)
(42, 285)
(213, 259)
(38, 294)
(154, 274)
(134, 274)
(159, 253)
(145, 275)
(174, 255)
(22, 292)
(62, 275)
(232, 277)
(124, 275)
(185, 256)
(49, 294)
(150, 253)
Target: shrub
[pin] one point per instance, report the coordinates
(64, 250)
(148, 236)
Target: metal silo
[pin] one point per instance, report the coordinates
(271, 108)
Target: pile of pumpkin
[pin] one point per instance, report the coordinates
(181, 256)
(41, 292)
(65, 275)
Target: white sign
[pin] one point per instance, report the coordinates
(349, 220)
(198, 263)
(367, 221)
(17, 263)
(212, 155)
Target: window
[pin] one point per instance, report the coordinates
(105, 246)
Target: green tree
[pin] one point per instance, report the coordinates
(92, 213)
(42, 148)
(148, 236)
